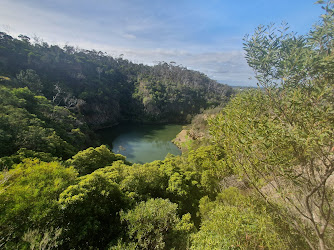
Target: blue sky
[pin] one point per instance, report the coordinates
(202, 35)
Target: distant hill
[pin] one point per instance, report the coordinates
(107, 90)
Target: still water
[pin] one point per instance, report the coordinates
(141, 143)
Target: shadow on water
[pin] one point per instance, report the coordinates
(141, 143)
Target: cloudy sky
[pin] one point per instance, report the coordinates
(204, 35)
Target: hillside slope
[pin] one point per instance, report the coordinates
(108, 90)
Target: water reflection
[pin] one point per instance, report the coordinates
(142, 143)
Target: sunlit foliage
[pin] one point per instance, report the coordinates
(28, 198)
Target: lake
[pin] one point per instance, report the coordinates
(141, 143)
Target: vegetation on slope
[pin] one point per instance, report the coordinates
(31, 121)
(104, 89)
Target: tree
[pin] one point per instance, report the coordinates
(90, 159)
(281, 138)
(30, 79)
(90, 212)
(154, 224)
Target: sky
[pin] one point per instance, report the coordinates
(203, 35)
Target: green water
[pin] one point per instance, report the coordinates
(141, 143)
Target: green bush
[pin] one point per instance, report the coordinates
(154, 224)
(28, 198)
(89, 160)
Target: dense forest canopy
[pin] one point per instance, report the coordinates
(256, 173)
(104, 89)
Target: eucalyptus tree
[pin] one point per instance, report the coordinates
(281, 137)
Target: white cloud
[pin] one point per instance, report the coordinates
(129, 36)
(228, 67)
(141, 40)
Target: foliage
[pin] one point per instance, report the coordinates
(30, 79)
(281, 138)
(172, 91)
(209, 162)
(196, 134)
(154, 224)
(233, 222)
(182, 180)
(7, 162)
(108, 90)
(124, 246)
(32, 122)
(90, 159)
(43, 240)
(164, 179)
(90, 212)
(28, 198)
